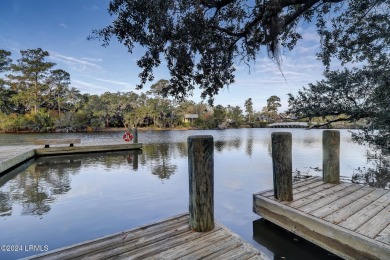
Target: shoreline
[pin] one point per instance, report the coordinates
(118, 129)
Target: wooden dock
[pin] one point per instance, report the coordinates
(168, 239)
(349, 220)
(11, 156)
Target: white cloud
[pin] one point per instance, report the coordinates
(121, 83)
(63, 25)
(75, 63)
(92, 59)
(89, 88)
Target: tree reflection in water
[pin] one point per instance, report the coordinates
(377, 175)
(37, 187)
(159, 159)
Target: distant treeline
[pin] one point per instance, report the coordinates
(36, 96)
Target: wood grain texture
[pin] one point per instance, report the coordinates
(201, 182)
(331, 156)
(329, 198)
(282, 165)
(350, 220)
(340, 241)
(347, 211)
(341, 202)
(366, 213)
(384, 236)
(168, 239)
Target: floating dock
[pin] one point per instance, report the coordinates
(349, 220)
(168, 239)
(11, 156)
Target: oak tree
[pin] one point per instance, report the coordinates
(201, 39)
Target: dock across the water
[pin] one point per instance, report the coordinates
(12, 156)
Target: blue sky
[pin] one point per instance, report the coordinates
(62, 27)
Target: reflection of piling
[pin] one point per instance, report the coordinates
(282, 165)
(135, 135)
(201, 182)
(135, 160)
(331, 156)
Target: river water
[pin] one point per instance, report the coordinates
(53, 202)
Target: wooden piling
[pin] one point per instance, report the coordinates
(282, 165)
(201, 182)
(331, 156)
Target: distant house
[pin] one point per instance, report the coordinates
(190, 118)
(263, 118)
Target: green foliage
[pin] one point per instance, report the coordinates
(273, 102)
(235, 116)
(28, 78)
(249, 110)
(200, 40)
(60, 107)
(358, 38)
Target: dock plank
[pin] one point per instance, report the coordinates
(315, 197)
(342, 202)
(193, 246)
(298, 186)
(384, 236)
(347, 211)
(375, 225)
(366, 213)
(313, 190)
(168, 239)
(325, 200)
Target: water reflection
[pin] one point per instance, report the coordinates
(233, 144)
(249, 146)
(41, 183)
(376, 174)
(159, 159)
(5, 204)
(272, 236)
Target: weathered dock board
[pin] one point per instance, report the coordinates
(168, 239)
(349, 220)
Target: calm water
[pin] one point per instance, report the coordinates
(62, 200)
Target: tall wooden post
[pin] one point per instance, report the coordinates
(201, 181)
(282, 165)
(135, 135)
(331, 156)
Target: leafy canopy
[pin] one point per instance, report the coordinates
(201, 39)
(360, 40)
